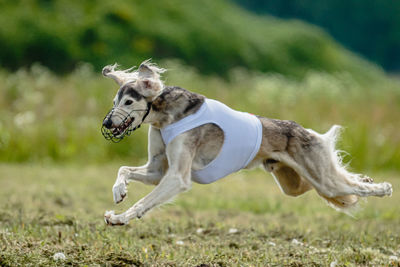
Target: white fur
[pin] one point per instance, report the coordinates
(146, 70)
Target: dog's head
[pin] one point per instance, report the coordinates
(133, 100)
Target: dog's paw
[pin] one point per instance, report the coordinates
(119, 192)
(111, 219)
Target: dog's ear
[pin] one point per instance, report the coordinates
(111, 72)
(149, 75)
(151, 86)
(147, 84)
(145, 70)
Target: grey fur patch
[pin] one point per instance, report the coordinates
(193, 103)
(175, 103)
(285, 136)
(291, 129)
(128, 89)
(133, 93)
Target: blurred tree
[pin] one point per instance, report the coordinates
(369, 27)
(213, 35)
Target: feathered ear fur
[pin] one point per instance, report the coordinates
(150, 70)
(119, 76)
(145, 71)
(148, 75)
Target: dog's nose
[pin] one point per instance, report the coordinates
(107, 123)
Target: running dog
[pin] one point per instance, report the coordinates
(195, 139)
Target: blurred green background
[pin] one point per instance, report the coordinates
(53, 98)
(315, 62)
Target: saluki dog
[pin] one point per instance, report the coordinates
(192, 138)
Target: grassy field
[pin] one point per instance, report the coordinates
(47, 208)
(240, 220)
(57, 171)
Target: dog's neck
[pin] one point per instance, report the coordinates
(173, 104)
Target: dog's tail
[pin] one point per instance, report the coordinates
(346, 203)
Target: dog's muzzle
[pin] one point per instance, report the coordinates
(116, 134)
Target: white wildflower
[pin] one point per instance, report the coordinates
(24, 119)
(233, 230)
(59, 256)
(296, 242)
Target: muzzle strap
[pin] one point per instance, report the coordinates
(147, 112)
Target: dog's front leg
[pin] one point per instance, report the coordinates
(170, 185)
(151, 173)
(180, 153)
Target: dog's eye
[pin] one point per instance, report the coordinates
(128, 102)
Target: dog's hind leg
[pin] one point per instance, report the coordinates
(287, 179)
(312, 157)
(345, 191)
(347, 182)
(321, 165)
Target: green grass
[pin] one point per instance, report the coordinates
(45, 209)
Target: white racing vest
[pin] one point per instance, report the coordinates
(242, 138)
